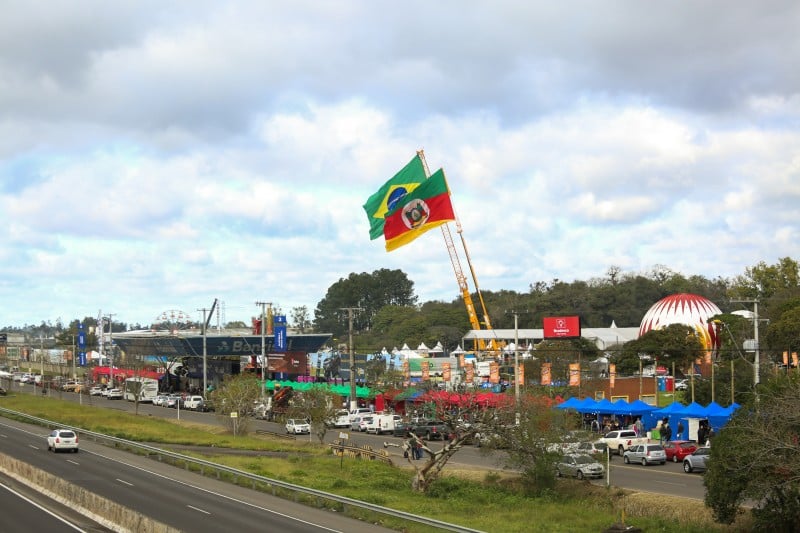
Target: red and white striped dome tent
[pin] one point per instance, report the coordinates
(689, 309)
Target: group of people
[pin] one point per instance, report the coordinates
(412, 449)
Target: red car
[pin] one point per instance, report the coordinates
(678, 449)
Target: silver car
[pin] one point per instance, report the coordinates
(579, 466)
(645, 454)
(696, 461)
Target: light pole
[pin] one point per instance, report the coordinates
(263, 346)
(353, 401)
(110, 352)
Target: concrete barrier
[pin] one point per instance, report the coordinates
(112, 515)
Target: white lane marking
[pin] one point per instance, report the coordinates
(76, 463)
(217, 494)
(198, 509)
(73, 526)
(125, 482)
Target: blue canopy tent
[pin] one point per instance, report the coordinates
(717, 415)
(604, 407)
(586, 405)
(570, 403)
(693, 414)
(672, 413)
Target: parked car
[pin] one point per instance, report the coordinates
(355, 424)
(579, 466)
(677, 450)
(115, 394)
(361, 411)
(597, 450)
(195, 403)
(645, 454)
(365, 422)
(431, 430)
(340, 419)
(173, 401)
(97, 390)
(62, 439)
(105, 391)
(401, 429)
(681, 384)
(697, 460)
(160, 400)
(297, 426)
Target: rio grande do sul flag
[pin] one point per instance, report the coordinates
(425, 208)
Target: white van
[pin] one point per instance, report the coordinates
(340, 420)
(381, 424)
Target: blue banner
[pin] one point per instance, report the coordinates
(81, 346)
(280, 333)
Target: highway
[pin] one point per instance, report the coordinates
(173, 496)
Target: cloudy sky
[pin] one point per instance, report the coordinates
(155, 156)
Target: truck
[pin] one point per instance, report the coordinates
(620, 440)
(140, 389)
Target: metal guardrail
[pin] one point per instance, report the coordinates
(340, 447)
(255, 479)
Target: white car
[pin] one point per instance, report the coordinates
(96, 391)
(297, 426)
(62, 439)
(114, 394)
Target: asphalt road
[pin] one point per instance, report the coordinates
(667, 479)
(170, 495)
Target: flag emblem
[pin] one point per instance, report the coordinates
(415, 214)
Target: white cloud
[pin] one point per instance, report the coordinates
(159, 156)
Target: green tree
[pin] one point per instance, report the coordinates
(237, 394)
(369, 293)
(676, 343)
(317, 405)
(300, 319)
(754, 457)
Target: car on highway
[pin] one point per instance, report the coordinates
(697, 461)
(580, 466)
(297, 426)
(645, 454)
(62, 439)
(115, 394)
(677, 450)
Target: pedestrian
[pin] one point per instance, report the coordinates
(667, 432)
(680, 430)
(417, 450)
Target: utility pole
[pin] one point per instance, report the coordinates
(516, 351)
(757, 358)
(263, 346)
(205, 355)
(110, 346)
(350, 310)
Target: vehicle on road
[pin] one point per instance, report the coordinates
(401, 429)
(97, 390)
(597, 450)
(580, 466)
(341, 419)
(620, 440)
(646, 454)
(115, 394)
(681, 384)
(174, 401)
(361, 411)
(677, 450)
(364, 423)
(297, 426)
(697, 460)
(383, 424)
(140, 389)
(62, 439)
(355, 424)
(160, 400)
(431, 430)
(195, 403)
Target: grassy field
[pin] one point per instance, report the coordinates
(484, 500)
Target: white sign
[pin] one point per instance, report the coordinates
(234, 414)
(343, 435)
